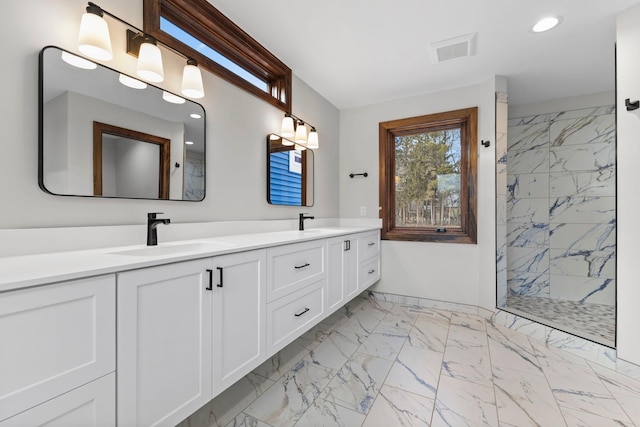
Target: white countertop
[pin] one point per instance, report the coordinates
(32, 270)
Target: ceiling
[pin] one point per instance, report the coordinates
(361, 52)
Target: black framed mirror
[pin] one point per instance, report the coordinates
(168, 162)
(289, 172)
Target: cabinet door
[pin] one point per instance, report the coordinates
(53, 339)
(164, 343)
(239, 300)
(342, 270)
(350, 270)
(92, 405)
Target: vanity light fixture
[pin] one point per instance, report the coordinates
(297, 134)
(77, 61)
(95, 42)
(545, 24)
(131, 82)
(174, 99)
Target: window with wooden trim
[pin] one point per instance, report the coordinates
(200, 31)
(428, 177)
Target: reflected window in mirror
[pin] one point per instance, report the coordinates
(289, 173)
(73, 98)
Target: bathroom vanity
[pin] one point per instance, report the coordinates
(157, 332)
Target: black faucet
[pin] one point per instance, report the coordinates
(301, 221)
(152, 224)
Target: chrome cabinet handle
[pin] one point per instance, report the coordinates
(302, 312)
(297, 267)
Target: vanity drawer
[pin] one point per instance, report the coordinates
(368, 273)
(292, 267)
(292, 315)
(368, 245)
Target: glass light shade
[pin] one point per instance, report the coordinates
(174, 99)
(287, 130)
(131, 82)
(301, 134)
(150, 63)
(77, 61)
(545, 24)
(192, 81)
(312, 139)
(93, 38)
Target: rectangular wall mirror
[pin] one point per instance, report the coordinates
(100, 137)
(289, 173)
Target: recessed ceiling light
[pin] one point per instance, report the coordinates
(195, 116)
(545, 24)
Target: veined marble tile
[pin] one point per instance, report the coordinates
(501, 209)
(358, 382)
(581, 348)
(600, 183)
(511, 350)
(583, 112)
(502, 98)
(224, 408)
(626, 368)
(528, 210)
(550, 355)
(469, 321)
(396, 407)
(586, 130)
(527, 137)
(384, 342)
(401, 319)
(625, 390)
(583, 236)
(463, 403)
(324, 413)
(582, 157)
(528, 161)
(585, 210)
(381, 296)
(416, 370)
(528, 185)
(579, 418)
(244, 420)
(355, 330)
(281, 362)
(448, 306)
(583, 289)
(528, 234)
(467, 361)
(525, 399)
(429, 333)
(528, 260)
(528, 120)
(530, 284)
(287, 400)
(334, 351)
(519, 324)
(583, 263)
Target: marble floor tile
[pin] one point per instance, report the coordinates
(396, 407)
(358, 382)
(286, 401)
(325, 413)
(382, 363)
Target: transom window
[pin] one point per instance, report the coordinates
(428, 177)
(200, 31)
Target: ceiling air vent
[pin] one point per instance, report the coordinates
(457, 47)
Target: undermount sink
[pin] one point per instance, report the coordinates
(170, 249)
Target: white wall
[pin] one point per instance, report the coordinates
(450, 272)
(237, 125)
(628, 126)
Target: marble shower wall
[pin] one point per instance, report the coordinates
(502, 117)
(194, 176)
(560, 205)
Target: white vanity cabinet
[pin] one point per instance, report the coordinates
(54, 339)
(239, 302)
(164, 343)
(343, 271)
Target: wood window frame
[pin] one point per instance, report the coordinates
(99, 129)
(467, 120)
(203, 21)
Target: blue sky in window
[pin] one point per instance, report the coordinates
(186, 38)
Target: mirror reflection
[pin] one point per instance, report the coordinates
(102, 137)
(289, 173)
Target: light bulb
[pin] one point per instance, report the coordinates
(192, 80)
(287, 127)
(301, 133)
(93, 37)
(312, 139)
(150, 63)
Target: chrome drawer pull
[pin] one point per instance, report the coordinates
(371, 271)
(371, 243)
(302, 312)
(297, 267)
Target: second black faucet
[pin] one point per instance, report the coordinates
(301, 221)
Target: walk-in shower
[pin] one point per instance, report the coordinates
(556, 204)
